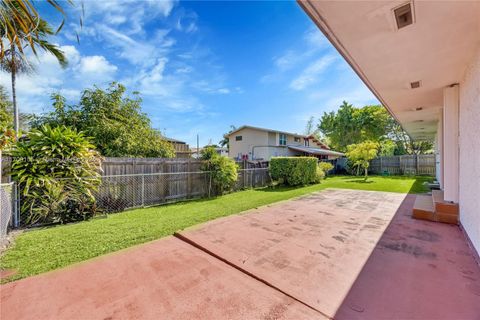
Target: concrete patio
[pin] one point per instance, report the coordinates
(340, 254)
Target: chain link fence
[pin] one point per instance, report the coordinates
(119, 192)
(7, 207)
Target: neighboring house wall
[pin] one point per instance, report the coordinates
(260, 144)
(469, 164)
(250, 139)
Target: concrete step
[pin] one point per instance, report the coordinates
(442, 206)
(423, 208)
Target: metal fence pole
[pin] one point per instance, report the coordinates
(143, 190)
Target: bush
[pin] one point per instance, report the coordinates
(325, 167)
(294, 171)
(57, 171)
(320, 174)
(223, 171)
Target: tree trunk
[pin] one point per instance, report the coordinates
(16, 122)
(366, 173)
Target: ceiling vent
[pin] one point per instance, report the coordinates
(415, 84)
(403, 15)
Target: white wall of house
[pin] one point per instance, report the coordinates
(260, 144)
(250, 138)
(469, 157)
(450, 143)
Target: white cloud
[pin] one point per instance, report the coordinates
(312, 43)
(96, 65)
(311, 73)
(137, 52)
(132, 14)
(33, 90)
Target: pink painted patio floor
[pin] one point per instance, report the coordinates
(339, 254)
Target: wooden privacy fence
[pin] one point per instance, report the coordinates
(124, 166)
(422, 164)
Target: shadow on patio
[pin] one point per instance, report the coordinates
(417, 270)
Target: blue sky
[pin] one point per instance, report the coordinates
(200, 66)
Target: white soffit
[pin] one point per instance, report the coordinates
(434, 50)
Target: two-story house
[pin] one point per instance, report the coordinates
(253, 143)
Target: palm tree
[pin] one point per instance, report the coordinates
(19, 22)
(13, 59)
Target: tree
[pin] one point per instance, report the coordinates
(350, 125)
(405, 145)
(225, 141)
(19, 24)
(360, 154)
(113, 120)
(14, 61)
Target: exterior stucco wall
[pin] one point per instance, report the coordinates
(469, 143)
(250, 139)
(260, 144)
(450, 143)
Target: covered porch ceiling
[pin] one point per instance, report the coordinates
(434, 50)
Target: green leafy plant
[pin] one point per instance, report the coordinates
(320, 175)
(360, 154)
(223, 171)
(294, 171)
(57, 170)
(325, 167)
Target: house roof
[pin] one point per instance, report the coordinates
(173, 140)
(262, 129)
(316, 151)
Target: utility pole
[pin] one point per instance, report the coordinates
(198, 147)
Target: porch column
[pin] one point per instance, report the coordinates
(450, 143)
(439, 151)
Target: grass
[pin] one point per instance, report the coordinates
(42, 250)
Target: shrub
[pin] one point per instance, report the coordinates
(325, 167)
(57, 170)
(294, 171)
(320, 175)
(223, 171)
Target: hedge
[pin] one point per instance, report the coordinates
(294, 171)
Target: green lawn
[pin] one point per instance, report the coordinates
(46, 249)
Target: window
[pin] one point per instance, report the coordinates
(296, 139)
(238, 138)
(282, 139)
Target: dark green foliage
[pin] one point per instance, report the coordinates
(223, 171)
(6, 111)
(208, 153)
(294, 171)
(350, 125)
(115, 122)
(57, 170)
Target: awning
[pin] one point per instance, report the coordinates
(316, 151)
